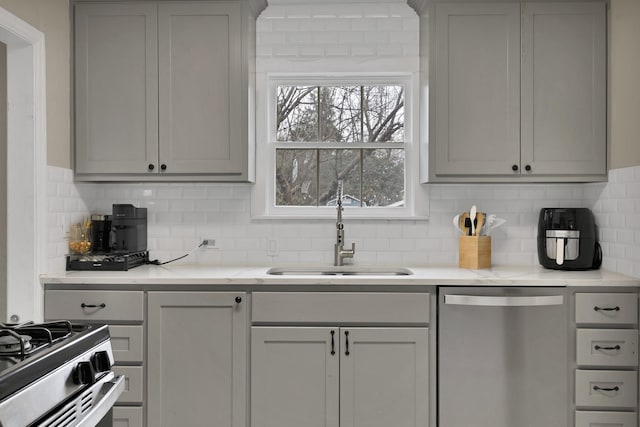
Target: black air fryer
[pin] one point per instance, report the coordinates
(567, 239)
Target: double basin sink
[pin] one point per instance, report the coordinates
(339, 271)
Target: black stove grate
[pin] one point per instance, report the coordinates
(27, 338)
(107, 261)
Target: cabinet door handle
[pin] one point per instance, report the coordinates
(597, 388)
(333, 343)
(615, 347)
(83, 305)
(238, 300)
(151, 166)
(346, 343)
(616, 308)
(163, 167)
(514, 168)
(527, 168)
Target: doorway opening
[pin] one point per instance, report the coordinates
(25, 174)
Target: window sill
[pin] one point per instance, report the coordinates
(329, 214)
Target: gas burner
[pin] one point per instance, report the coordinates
(14, 344)
(21, 340)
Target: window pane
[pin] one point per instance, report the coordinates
(296, 178)
(383, 113)
(338, 165)
(340, 114)
(383, 177)
(297, 113)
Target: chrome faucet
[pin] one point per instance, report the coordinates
(340, 253)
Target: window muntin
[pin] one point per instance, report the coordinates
(332, 128)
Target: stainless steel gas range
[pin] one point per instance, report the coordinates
(56, 374)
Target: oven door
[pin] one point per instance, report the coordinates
(88, 407)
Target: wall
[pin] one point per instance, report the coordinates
(624, 83)
(180, 215)
(3, 177)
(616, 205)
(52, 18)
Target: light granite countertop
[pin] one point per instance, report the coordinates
(255, 277)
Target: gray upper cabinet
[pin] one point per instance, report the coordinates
(116, 75)
(518, 92)
(162, 91)
(564, 88)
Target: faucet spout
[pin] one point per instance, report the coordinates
(340, 253)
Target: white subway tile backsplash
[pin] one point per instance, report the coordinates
(331, 33)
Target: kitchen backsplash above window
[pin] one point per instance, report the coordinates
(346, 34)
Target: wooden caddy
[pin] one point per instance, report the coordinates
(474, 252)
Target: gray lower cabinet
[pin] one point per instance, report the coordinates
(197, 359)
(161, 90)
(329, 374)
(340, 376)
(123, 311)
(606, 374)
(519, 92)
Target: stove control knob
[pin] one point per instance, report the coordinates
(101, 361)
(84, 373)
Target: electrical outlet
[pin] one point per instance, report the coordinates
(272, 247)
(210, 243)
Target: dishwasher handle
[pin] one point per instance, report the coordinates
(504, 301)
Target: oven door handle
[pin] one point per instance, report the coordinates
(108, 394)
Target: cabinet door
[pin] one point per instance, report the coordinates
(197, 359)
(564, 88)
(127, 416)
(384, 377)
(477, 89)
(294, 377)
(200, 63)
(116, 88)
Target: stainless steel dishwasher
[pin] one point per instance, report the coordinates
(502, 357)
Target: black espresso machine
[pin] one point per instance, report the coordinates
(567, 239)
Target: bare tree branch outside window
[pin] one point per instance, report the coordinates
(340, 115)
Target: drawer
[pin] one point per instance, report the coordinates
(127, 343)
(607, 347)
(128, 416)
(607, 308)
(340, 307)
(134, 379)
(606, 419)
(606, 389)
(90, 306)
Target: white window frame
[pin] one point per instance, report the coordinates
(264, 192)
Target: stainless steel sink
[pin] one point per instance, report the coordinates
(339, 271)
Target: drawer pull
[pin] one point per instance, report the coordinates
(615, 347)
(103, 305)
(616, 308)
(597, 388)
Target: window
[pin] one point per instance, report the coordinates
(343, 133)
(322, 132)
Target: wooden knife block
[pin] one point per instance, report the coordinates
(474, 252)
